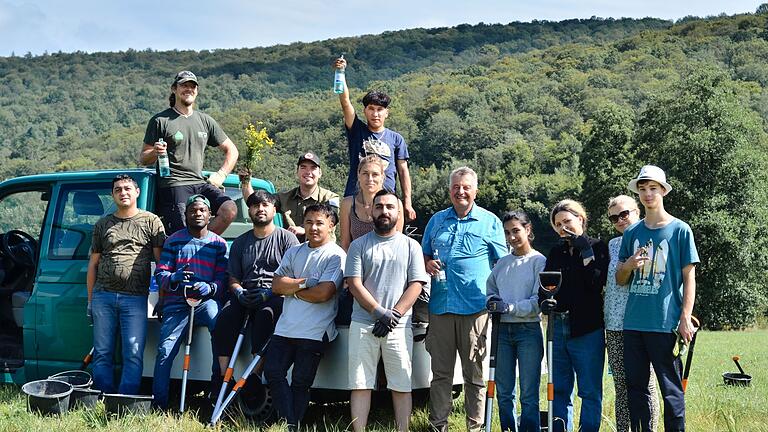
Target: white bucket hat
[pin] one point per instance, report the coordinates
(650, 172)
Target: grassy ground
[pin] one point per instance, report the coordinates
(711, 405)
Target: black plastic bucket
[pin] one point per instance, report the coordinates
(127, 404)
(84, 397)
(737, 379)
(47, 396)
(78, 378)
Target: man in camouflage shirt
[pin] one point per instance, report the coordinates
(124, 244)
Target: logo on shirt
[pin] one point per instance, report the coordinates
(202, 135)
(376, 147)
(648, 278)
(178, 137)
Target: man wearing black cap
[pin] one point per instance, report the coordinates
(293, 202)
(184, 134)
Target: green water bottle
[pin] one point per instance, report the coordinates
(163, 165)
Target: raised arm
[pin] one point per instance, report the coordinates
(346, 104)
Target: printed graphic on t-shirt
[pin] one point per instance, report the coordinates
(178, 137)
(375, 146)
(202, 135)
(648, 278)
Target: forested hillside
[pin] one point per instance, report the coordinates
(542, 110)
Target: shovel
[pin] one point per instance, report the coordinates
(491, 389)
(87, 359)
(689, 358)
(549, 285)
(192, 302)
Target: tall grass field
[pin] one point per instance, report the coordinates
(711, 405)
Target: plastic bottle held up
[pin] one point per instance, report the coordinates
(163, 165)
(338, 79)
(440, 276)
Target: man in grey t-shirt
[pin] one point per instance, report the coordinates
(385, 273)
(309, 277)
(253, 259)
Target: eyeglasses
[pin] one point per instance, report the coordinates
(622, 215)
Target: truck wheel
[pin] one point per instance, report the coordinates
(255, 401)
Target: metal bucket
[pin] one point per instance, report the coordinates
(47, 396)
(737, 379)
(127, 404)
(77, 378)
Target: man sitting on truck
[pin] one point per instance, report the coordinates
(309, 277)
(193, 264)
(123, 245)
(183, 134)
(253, 259)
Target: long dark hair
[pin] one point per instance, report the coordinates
(522, 217)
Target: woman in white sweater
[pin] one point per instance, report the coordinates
(512, 290)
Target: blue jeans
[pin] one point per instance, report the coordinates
(522, 344)
(128, 314)
(173, 332)
(291, 402)
(581, 358)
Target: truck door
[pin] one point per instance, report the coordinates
(60, 297)
(22, 212)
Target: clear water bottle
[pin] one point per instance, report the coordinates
(162, 162)
(338, 79)
(440, 276)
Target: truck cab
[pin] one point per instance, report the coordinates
(46, 229)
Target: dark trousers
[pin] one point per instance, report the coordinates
(292, 401)
(640, 350)
(261, 322)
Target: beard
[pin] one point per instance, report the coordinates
(384, 224)
(260, 223)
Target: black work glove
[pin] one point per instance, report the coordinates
(548, 306)
(581, 243)
(379, 329)
(259, 296)
(386, 321)
(496, 304)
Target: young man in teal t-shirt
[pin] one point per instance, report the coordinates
(658, 260)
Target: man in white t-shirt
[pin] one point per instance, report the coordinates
(385, 273)
(309, 277)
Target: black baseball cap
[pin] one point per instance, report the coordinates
(309, 156)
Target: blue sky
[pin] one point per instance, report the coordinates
(89, 25)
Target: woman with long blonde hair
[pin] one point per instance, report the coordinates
(356, 217)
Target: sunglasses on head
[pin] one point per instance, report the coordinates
(622, 215)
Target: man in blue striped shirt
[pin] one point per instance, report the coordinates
(193, 264)
(468, 240)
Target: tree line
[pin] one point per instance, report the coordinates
(543, 111)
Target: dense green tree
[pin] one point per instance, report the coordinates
(715, 153)
(607, 162)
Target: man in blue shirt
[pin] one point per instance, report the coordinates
(468, 240)
(373, 138)
(658, 260)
